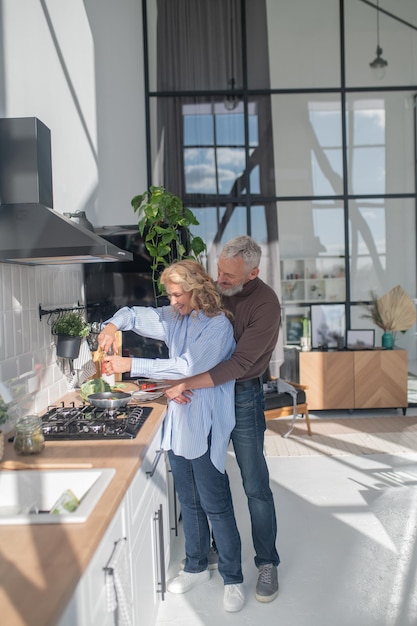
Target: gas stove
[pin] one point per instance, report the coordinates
(87, 422)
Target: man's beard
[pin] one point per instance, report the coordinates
(230, 291)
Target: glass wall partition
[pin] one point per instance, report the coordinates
(382, 246)
(308, 152)
(380, 142)
(267, 118)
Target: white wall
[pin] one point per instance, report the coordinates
(78, 67)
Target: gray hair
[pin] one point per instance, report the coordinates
(245, 247)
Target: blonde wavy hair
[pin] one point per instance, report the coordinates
(191, 276)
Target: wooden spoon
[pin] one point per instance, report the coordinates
(19, 465)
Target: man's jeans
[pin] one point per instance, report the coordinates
(248, 443)
(203, 490)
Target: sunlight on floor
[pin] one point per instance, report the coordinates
(347, 542)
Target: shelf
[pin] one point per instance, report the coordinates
(320, 279)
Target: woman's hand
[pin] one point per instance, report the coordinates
(107, 338)
(116, 364)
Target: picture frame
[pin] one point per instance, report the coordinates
(328, 325)
(358, 339)
(293, 328)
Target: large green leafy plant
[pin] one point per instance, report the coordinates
(166, 226)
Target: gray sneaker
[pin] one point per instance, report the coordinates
(267, 585)
(212, 557)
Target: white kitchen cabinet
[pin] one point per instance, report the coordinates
(88, 606)
(143, 520)
(145, 562)
(150, 534)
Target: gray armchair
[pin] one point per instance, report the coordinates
(284, 398)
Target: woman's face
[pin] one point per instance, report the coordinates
(179, 299)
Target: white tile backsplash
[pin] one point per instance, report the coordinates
(6, 281)
(28, 364)
(8, 334)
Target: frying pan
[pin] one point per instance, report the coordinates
(109, 399)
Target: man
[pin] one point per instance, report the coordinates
(257, 316)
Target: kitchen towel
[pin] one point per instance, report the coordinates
(83, 367)
(118, 584)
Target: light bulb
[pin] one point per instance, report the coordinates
(379, 64)
(231, 102)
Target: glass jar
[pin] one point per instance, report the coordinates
(29, 437)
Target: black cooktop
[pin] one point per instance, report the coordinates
(87, 422)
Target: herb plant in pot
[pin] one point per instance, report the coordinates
(70, 328)
(166, 226)
(9, 412)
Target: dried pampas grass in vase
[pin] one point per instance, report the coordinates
(394, 311)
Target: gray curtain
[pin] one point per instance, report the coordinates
(199, 47)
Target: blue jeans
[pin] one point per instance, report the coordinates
(204, 492)
(248, 443)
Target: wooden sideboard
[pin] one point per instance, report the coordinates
(365, 379)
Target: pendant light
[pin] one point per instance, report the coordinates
(378, 64)
(231, 100)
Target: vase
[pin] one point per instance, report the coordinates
(388, 340)
(68, 347)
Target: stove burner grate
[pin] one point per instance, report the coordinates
(88, 422)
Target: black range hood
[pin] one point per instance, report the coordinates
(31, 232)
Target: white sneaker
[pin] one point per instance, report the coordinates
(233, 599)
(187, 580)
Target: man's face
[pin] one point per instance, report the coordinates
(232, 274)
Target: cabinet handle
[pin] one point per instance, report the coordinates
(174, 496)
(152, 471)
(162, 583)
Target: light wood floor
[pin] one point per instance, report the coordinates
(334, 436)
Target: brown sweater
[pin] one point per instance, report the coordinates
(257, 318)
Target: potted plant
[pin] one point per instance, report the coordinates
(70, 328)
(166, 225)
(8, 412)
(394, 311)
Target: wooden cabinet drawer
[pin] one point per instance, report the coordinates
(329, 378)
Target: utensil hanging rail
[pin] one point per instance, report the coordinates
(42, 312)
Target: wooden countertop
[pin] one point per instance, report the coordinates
(41, 564)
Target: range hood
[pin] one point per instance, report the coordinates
(31, 231)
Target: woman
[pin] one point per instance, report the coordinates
(198, 333)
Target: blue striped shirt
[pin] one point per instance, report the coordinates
(195, 343)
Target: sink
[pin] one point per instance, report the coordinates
(27, 496)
